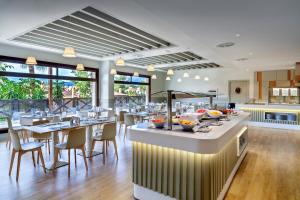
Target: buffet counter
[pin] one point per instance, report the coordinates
(172, 164)
(286, 116)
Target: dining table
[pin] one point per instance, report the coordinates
(55, 128)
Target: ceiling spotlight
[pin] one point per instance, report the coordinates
(170, 72)
(186, 75)
(69, 52)
(79, 67)
(225, 44)
(237, 35)
(154, 76)
(179, 80)
(31, 60)
(168, 78)
(120, 62)
(197, 77)
(150, 68)
(206, 78)
(135, 74)
(113, 71)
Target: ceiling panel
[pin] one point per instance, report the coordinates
(166, 58)
(92, 32)
(197, 66)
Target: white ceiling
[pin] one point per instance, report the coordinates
(270, 29)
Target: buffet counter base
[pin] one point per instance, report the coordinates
(163, 173)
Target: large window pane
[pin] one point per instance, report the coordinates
(140, 79)
(74, 73)
(122, 78)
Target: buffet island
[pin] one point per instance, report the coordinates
(177, 164)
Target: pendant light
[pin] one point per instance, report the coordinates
(186, 75)
(135, 74)
(154, 76)
(31, 60)
(80, 67)
(120, 62)
(168, 78)
(69, 52)
(170, 72)
(113, 71)
(150, 68)
(197, 77)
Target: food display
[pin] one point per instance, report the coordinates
(159, 122)
(175, 120)
(187, 123)
(214, 113)
(201, 110)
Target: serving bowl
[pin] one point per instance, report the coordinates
(159, 122)
(214, 113)
(187, 123)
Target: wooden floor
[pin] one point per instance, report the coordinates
(271, 170)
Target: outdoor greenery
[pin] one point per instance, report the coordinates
(83, 88)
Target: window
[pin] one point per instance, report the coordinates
(53, 85)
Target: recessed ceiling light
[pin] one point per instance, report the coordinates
(225, 44)
(206, 78)
(237, 35)
(241, 59)
(186, 75)
(179, 80)
(197, 77)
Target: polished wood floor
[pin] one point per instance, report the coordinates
(271, 170)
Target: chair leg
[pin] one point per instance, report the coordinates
(116, 150)
(120, 127)
(48, 144)
(93, 146)
(69, 163)
(63, 138)
(56, 152)
(33, 159)
(84, 157)
(19, 163)
(75, 157)
(125, 132)
(40, 153)
(103, 151)
(12, 161)
(106, 147)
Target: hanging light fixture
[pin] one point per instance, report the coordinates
(150, 68)
(80, 67)
(197, 77)
(170, 72)
(135, 74)
(154, 76)
(186, 75)
(120, 62)
(113, 71)
(168, 78)
(31, 60)
(179, 80)
(69, 52)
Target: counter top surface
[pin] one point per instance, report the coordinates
(270, 106)
(197, 142)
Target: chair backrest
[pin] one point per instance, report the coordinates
(109, 131)
(128, 119)
(121, 116)
(39, 122)
(9, 123)
(76, 138)
(15, 140)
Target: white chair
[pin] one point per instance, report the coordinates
(76, 140)
(108, 134)
(21, 149)
(128, 121)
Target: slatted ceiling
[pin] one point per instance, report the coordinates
(92, 32)
(59, 41)
(91, 35)
(165, 59)
(53, 46)
(81, 38)
(197, 66)
(110, 19)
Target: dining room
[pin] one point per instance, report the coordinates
(149, 100)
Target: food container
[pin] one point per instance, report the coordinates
(159, 122)
(214, 113)
(187, 123)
